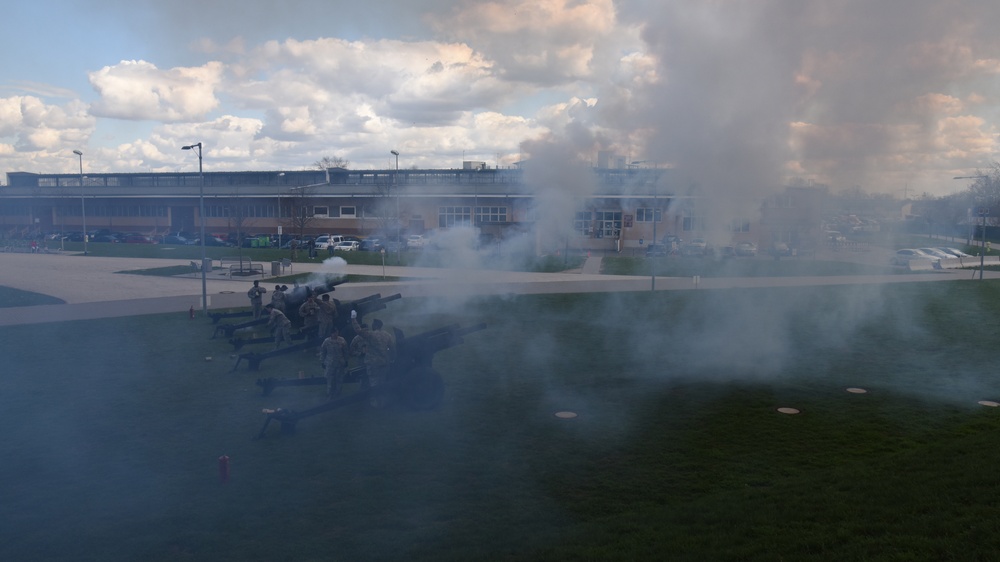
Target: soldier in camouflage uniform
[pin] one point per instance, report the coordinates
(333, 357)
(380, 349)
(256, 294)
(280, 324)
(278, 298)
(327, 315)
(309, 311)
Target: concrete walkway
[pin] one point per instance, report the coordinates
(97, 287)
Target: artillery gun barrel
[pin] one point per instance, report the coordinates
(411, 377)
(228, 329)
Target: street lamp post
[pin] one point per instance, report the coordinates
(201, 215)
(652, 283)
(982, 211)
(395, 184)
(83, 204)
(278, 216)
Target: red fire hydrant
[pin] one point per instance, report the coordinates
(224, 469)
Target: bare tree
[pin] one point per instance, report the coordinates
(297, 212)
(384, 209)
(238, 219)
(328, 162)
(986, 189)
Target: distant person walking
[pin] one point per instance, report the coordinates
(256, 295)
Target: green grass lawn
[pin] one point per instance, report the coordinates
(15, 297)
(113, 428)
(739, 267)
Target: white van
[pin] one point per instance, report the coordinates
(326, 241)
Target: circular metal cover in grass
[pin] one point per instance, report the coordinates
(566, 415)
(788, 410)
(854, 390)
(208, 359)
(989, 403)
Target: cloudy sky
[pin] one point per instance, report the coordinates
(894, 96)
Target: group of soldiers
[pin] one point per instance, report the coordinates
(373, 346)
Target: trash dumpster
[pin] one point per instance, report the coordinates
(276, 268)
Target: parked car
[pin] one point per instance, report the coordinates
(136, 238)
(936, 253)
(955, 252)
(725, 252)
(696, 247)
(416, 241)
(746, 249)
(107, 238)
(779, 249)
(177, 240)
(672, 241)
(370, 245)
(214, 241)
(657, 251)
(347, 246)
(323, 242)
(906, 255)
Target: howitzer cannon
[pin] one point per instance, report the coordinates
(230, 329)
(298, 294)
(294, 298)
(216, 316)
(411, 378)
(364, 306)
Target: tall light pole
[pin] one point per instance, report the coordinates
(982, 210)
(395, 184)
(278, 216)
(652, 286)
(201, 215)
(83, 204)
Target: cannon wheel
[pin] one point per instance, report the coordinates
(422, 389)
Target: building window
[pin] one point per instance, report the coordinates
(217, 211)
(454, 216)
(491, 215)
(348, 212)
(583, 222)
(608, 224)
(321, 211)
(644, 214)
(692, 224)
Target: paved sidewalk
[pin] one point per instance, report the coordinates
(95, 287)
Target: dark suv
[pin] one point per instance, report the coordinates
(657, 251)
